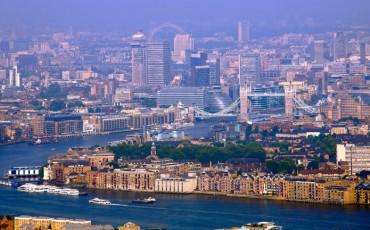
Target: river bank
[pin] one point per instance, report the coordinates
(171, 211)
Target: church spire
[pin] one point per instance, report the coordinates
(153, 150)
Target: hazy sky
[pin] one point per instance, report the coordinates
(131, 15)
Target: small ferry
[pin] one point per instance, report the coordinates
(69, 191)
(53, 189)
(28, 187)
(99, 201)
(262, 226)
(149, 200)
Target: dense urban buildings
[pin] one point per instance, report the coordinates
(268, 109)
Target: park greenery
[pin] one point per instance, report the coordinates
(355, 120)
(284, 166)
(204, 154)
(53, 91)
(327, 144)
(57, 105)
(76, 103)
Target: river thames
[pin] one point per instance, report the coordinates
(171, 211)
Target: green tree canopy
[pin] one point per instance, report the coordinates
(53, 91)
(57, 105)
(203, 154)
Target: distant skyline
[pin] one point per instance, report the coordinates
(195, 16)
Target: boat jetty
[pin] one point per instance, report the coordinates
(23, 172)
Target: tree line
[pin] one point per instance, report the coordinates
(204, 154)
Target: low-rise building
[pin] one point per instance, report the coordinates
(30, 222)
(129, 226)
(176, 185)
(7, 222)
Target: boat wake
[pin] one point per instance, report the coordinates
(122, 205)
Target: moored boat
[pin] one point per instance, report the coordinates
(69, 191)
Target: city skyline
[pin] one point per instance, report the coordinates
(264, 16)
(210, 107)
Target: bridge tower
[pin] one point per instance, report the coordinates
(289, 91)
(243, 92)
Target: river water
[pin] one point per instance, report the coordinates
(170, 211)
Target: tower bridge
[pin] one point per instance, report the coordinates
(293, 104)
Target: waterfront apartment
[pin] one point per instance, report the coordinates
(63, 124)
(117, 179)
(61, 170)
(286, 188)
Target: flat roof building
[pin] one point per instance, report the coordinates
(187, 95)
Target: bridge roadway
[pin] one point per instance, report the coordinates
(265, 94)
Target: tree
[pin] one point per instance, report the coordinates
(327, 144)
(53, 91)
(57, 105)
(274, 130)
(76, 104)
(300, 167)
(256, 129)
(272, 166)
(286, 165)
(313, 165)
(248, 131)
(114, 165)
(264, 133)
(204, 154)
(356, 120)
(363, 174)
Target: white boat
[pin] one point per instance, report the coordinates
(53, 189)
(39, 189)
(49, 189)
(69, 191)
(149, 200)
(28, 187)
(6, 183)
(99, 201)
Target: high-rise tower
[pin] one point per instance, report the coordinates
(138, 59)
(243, 32)
(363, 53)
(158, 63)
(214, 71)
(318, 51)
(249, 69)
(340, 45)
(14, 77)
(197, 59)
(182, 42)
